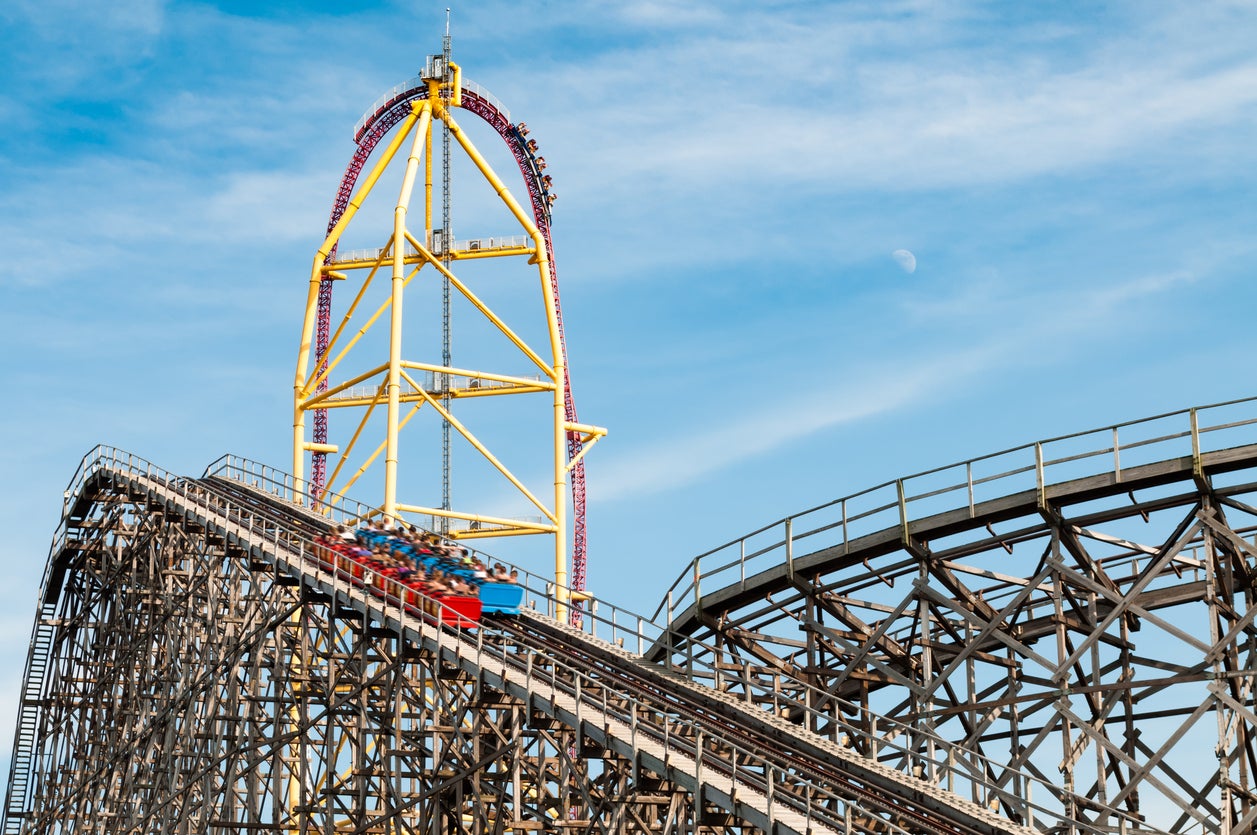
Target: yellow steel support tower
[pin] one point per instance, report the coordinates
(406, 255)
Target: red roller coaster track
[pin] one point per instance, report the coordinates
(384, 117)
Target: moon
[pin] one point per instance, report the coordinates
(906, 260)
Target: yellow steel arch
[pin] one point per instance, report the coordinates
(389, 383)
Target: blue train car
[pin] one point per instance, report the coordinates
(501, 598)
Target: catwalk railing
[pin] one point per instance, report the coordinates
(399, 92)
(908, 749)
(1110, 451)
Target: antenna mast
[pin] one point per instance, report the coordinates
(447, 245)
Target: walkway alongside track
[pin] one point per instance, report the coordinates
(981, 516)
(759, 770)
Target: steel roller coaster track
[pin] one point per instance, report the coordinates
(387, 113)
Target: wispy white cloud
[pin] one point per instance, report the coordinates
(783, 99)
(65, 48)
(699, 453)
(661, 14)
(273, 206)
(1002, 325)
(1053, 305)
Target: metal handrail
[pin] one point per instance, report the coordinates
(335, 507)
(393, 94)
(399, 91)
(487, 243)
(965, 484)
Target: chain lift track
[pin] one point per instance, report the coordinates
(204, 672)
(384, 117)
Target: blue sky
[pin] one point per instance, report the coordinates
(1074, 180)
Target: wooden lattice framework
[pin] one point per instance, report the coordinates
(192, 688)
(197, 667)
(1096, 633)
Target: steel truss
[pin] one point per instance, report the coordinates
(1096, 634)
(437, 92)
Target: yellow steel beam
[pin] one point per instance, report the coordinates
(587, 430)
(494, 391)
(586, 445)
(484, 309)
(455, 255)
(427, 186)
(456, 86)
(314, 402)
(490, 252)
(416, 114)
(559, 439)
(385, 256)
(484, 451)
(364, 400)
(385, 305)
(589, 435)
(312, 299)
(494, 533)
(395, 314)
(499, 188)
(349, 448)
(376, 454)
(483, 375)
(386, 252)
(535, 527)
